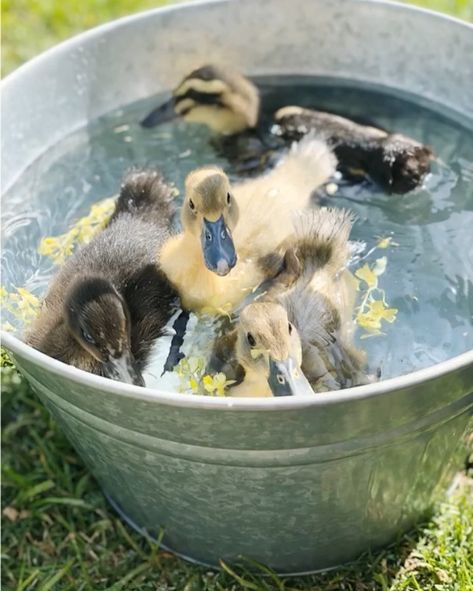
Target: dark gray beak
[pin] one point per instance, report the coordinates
(161, 114)
(123, 369)
(286, 379)
(217, 246)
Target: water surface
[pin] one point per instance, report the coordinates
(429, 274)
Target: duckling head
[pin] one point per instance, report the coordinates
(268, 342)
(222, 99)
(210, 213)
(98, 319)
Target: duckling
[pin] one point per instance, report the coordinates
(229, 104)
(267, 354)
(305, 318)
(109, 302)
(214, 262)
(219, 97)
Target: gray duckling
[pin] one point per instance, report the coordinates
(110, 301)
(231, 106)
(298, 337)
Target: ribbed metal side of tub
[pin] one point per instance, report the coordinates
(296, 489)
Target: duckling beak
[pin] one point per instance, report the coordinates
(161, 114)
(217, 246)
(287, 379)
(123, 369)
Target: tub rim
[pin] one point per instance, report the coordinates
(72, 42)
(198, 401)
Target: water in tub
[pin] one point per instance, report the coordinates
(421, 242)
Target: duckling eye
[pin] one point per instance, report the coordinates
(280, 379)
(191, 204)
(229, 198)
(87, 337)
(251, 339)
(289, 326)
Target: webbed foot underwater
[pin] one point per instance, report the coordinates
(250, 137)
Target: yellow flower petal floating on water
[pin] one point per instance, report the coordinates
(379, 309)
(22, 305)
(194, 385)
(208, 383)
(367, 275)
(385, 242)
(58, 248)
(221, 383)
(374, 312)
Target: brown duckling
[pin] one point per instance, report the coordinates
(109, 302)
(230, 104)
(226, 230)
(304, 320)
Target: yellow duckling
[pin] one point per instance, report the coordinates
(303, 325)
(230, 105)
(216, 260)
(268, 349)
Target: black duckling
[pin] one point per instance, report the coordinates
(230, 105)
(110, 301)
(302, 326)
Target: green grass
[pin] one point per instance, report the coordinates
(60, 534)
(58, 531)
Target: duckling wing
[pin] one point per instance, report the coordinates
(329, 359)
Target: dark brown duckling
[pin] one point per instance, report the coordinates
(230, 105)
(395, 162)
(110, 301)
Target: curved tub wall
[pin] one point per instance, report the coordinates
(300, 490)
(297, 485)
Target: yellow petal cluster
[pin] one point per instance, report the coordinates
(58, 248)
(21, 304)
(373, 308)
(217, 384)
(385, 242)
(191, 372)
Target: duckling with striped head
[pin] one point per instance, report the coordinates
(220, 98)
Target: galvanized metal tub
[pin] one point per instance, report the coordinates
(297, 484)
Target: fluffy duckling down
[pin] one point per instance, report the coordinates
(216, 261)
(300, 330)
(230, 105)
(109, 301)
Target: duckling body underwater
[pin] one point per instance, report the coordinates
(230, 105)
(216, 261)
(300, 331)
(109, 302)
